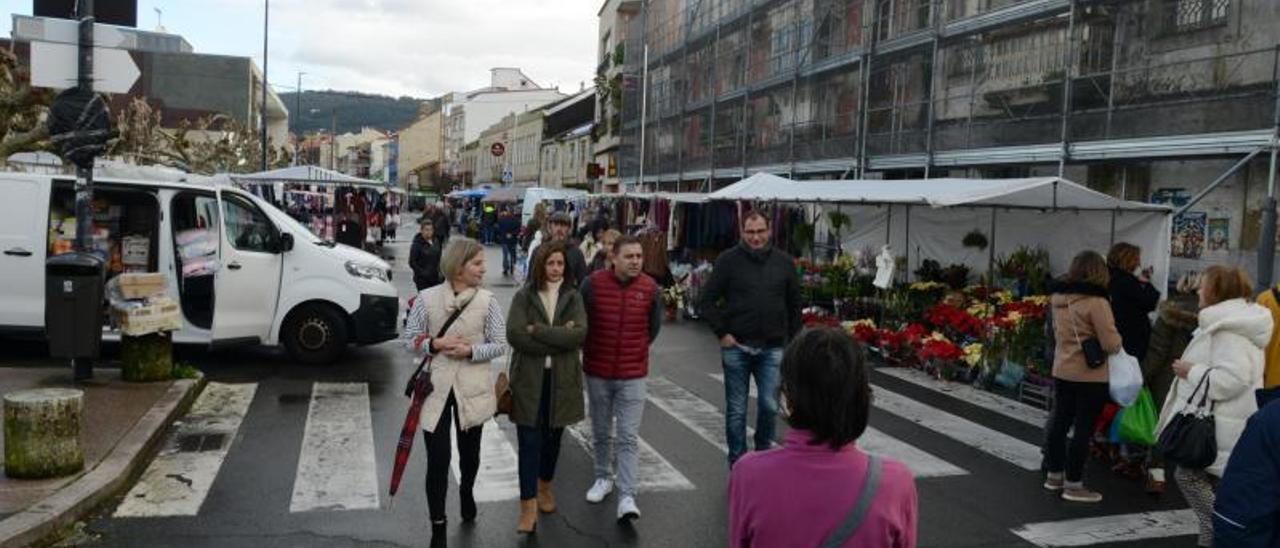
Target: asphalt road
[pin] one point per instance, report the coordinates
(980, 462)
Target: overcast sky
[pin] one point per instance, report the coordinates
(421, 48)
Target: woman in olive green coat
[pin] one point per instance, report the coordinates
(546, 326)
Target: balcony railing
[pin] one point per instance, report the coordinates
(1039, 57)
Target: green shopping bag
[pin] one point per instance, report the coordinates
(1138, 424)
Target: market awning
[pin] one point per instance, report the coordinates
(469, 193)
(1035, 192)
(506, 194)
(312, 175)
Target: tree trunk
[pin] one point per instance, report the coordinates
(42, 433)
(146, 358)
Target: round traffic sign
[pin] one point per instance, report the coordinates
(497, 149)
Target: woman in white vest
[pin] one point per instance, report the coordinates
(460, 370)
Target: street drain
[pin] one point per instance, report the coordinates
(198, 443)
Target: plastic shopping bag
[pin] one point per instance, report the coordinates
(1138, 424)
(1126, 378)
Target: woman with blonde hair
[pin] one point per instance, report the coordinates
(462, 326)
(1084, 332)
(1223, 363)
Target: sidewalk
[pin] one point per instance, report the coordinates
(123, 422)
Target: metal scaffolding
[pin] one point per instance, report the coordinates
(811, 88)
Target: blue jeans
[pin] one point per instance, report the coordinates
(739, 366)
(508, 258)
(539, 446)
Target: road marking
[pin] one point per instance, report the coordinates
(655, 473)
(178, 480)
(921, 463)
(695, 413)
(336, 466)
(998, 444)
(499, 475)
(1110, 529)
(1010, 408)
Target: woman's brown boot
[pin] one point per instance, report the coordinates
(528, 516)
(546, 499)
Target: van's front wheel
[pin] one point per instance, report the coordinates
(315, 334)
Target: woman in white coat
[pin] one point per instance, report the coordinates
(460, 371)
(1228, 348)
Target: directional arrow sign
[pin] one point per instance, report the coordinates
(54, 65)
(66, 31)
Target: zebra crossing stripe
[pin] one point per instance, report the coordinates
(695, 413)
(499, 475)
(1110, 529)
(178, 480)
(336, 467)
(655, 473)
(1013, 409)
(998, 444)
(921, 463)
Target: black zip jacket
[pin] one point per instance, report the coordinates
(754, 296)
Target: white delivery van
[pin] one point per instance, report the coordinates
(243, 271)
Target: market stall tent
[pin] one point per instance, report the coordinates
(536, 195)
(928, 218)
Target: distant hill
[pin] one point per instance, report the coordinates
(351, 111)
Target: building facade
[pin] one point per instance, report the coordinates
(567, 144)
(421, 153)
(468, 114)
(617, 19)
(1146, 99)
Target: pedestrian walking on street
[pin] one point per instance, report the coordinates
(1246, 513)
(1081, 318)
(463, 395)
(1270, 299)
(624, 314)
(441, 217)
(1226, 359)
(559, 226)
(424, 255)
(546, 326)
(819, 488)
(1176, 320)
(752, 303)
(600, 257)
(508, 237)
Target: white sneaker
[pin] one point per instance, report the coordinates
(627, 510)
(599, 490)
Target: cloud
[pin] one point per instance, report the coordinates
(430, 47)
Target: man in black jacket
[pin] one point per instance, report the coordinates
(424, 255)
(560, 224)
(752, 302)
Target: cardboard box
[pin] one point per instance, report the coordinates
(142, 285)
(158, 314)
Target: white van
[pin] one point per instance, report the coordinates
(243, 271)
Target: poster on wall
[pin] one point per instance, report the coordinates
(1189, 234)
(1219, 235)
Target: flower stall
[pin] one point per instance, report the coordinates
(973, 261)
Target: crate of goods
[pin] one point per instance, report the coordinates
(142, 285)
(155, 315)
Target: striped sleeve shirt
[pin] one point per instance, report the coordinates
(495, 331)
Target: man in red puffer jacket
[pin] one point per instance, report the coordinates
(623, 317)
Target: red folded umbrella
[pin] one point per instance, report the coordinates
(421, 388)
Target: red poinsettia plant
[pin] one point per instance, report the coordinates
(954, 321)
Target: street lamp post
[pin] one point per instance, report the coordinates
(266, 14)
(297, 117)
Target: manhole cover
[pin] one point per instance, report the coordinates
(197, 443)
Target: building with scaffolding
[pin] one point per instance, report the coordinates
(1145, 99)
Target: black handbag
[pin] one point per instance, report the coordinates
(1189, 440)
(1094, 356)
(420, 379)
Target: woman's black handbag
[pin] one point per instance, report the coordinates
(1189, 440)
(1094, 356)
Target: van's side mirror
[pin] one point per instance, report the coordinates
(286, 242)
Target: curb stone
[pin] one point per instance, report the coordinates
(124, 462)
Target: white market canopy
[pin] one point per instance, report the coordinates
(675, 197)
(928, 218)
(310, 175)
(1035, 192)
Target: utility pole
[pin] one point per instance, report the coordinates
(296, 118)
(266, 28)
(82, 368)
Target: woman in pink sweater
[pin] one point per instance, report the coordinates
(818, 489)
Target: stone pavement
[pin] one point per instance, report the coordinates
(122, 424)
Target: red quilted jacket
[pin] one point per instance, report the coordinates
(618, 327)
